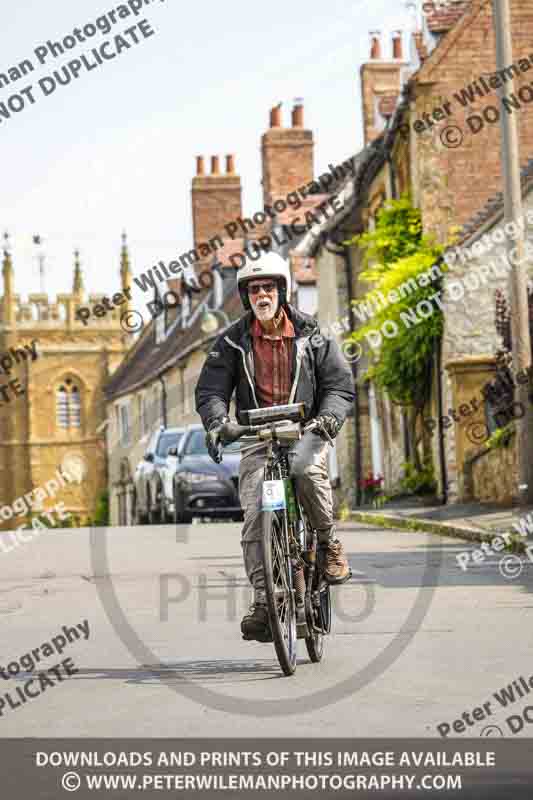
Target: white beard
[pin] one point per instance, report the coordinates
(266, 312)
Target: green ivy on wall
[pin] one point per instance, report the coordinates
(394, 253)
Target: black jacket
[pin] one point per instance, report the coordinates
(320, 375)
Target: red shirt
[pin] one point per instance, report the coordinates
(272, 361)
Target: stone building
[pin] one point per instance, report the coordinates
(52, 410)
(474, 336)
(406, 122)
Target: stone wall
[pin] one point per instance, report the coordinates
(470, 337)
(493, 474)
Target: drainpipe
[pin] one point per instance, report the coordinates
(442, 454)
(163, 401)
(345, 255)
(393, 190)
(394, 195)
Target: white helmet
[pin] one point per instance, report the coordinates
(269, 265)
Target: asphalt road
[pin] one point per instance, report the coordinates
(416, 641)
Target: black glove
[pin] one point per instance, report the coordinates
(329, 423)
(213, 439)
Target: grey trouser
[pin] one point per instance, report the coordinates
(308, 460)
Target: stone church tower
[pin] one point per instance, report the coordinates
(52, 369)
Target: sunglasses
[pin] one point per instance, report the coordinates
(266, 287)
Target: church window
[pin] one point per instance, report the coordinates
(68, 405)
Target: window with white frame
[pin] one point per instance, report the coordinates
(68, 405)
(156, 410)
(160, 324)
(143, 421)
(307, 298)
(124, 416)
(117, 424)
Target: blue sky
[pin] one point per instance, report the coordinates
(116, 149)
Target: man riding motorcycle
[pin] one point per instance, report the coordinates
(275, 355)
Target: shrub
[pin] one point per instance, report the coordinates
(501, 437)
(418, 481)
(101, 514)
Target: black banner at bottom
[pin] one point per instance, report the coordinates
(51, 769)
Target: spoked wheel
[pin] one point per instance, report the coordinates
(320, 616)
(279, 591)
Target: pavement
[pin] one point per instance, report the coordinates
(417, 641)
(472, 521)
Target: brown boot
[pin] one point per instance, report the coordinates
(337, 570)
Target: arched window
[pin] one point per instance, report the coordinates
(68, 405)
(62, 407)
(75, 407)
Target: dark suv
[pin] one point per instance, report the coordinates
(201, 488)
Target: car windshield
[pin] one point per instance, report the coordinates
(195, 445)
(167, 440)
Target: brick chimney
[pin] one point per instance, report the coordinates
(275, 116)
(287, 154)
(216, 199)
(297, 118)
(375, 45)
(380, 83)
(397, 50)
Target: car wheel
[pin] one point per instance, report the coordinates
(181, 517)
(139, 517)
(161, 505)
(166, 517)
(153, 511)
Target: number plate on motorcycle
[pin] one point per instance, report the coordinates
(273, 495)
